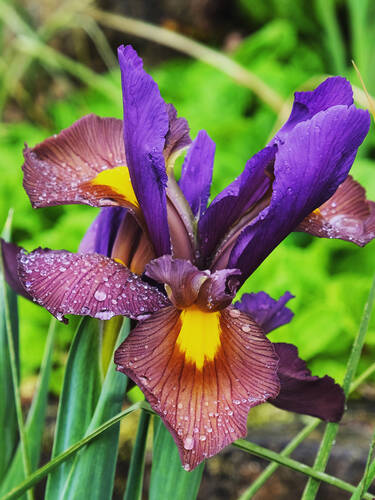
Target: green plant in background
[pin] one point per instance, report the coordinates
(285, 54)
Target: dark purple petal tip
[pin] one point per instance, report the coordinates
(301, 392)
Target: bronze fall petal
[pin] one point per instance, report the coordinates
(86, 285)
(347, 215)
(60, 169)
(204, 402)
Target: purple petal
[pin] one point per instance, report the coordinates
(332, 92)
(301, 392)
(177, 137)
(146, 124)
(9, 252)
(86, 285)
(347, 215)
(241, 196)
(267, 312)
(100, 236)
(311, 164)
(196, 175)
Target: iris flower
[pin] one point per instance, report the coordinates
(156, 253)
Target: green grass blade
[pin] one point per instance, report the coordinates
(93, 472)
(328, 440)
(134, 482)
(270, 455)
(366, 479)
(328, 17)
(169, 481)
(41, 473)
(35, 420)
(81, 388)
(8, 415)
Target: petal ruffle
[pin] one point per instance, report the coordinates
(333, 91)
(204, 406)
(267, 312)
(196, 175)
(84, 163)
(86, 285)
(240, 199)
(311, 164)
(101, 234)
(146, 125)
(301, 392)
(9, 252)
(347, 215)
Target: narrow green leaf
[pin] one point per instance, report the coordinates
(259, 451)
(78, 400)
(8, 416)
(134, 483)
(10, 315)
(41, 473)
(169, 481)
(330, 433)
(35, 420)
(93, 472)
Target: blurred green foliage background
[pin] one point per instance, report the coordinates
(288, 44)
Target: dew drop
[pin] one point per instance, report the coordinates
(189, 443)
(100, 296)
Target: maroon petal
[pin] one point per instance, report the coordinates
(177, 137)
(86, 285)
(204, 384)
(182, 279)
(71, 167)
(9, 252)
(347, 215)
(186, 284)
(301, 392)
(267, 312)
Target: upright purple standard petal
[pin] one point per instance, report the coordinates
(196, 175)
(177, 137)
(332, 92)
(146, 124)
(267, 312)
(241, 199)
(100, 236)
(301, 392)
(86, 285)
(314, 160)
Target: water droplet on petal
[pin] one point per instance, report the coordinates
(100, 295)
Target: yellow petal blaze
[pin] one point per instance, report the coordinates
(118, 180)
(199, 337)
(316, 211)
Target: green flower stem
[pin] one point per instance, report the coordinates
(15, 380)
(366, 480)
(329, 437)
(192, 48)
(39, 474)
(270, 469)
(297, 466)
